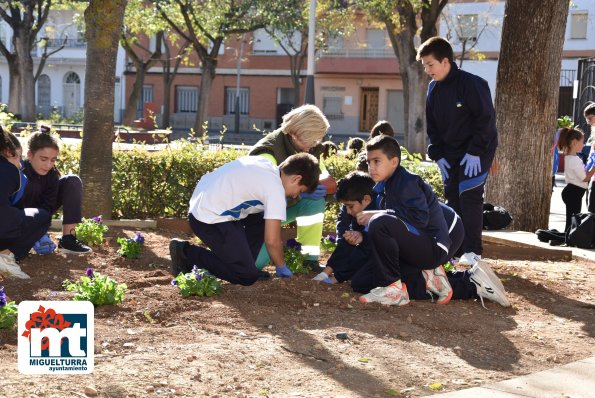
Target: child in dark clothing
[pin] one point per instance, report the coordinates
(409, 231)
(47, 190)
(461, 126)
(19, 228)
(356, 192)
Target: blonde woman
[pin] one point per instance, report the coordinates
(302, 130)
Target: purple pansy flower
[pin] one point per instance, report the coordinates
(90, 273)
(331, 238)
(198, 276)
(97, 219)
(174, 282)
(138, 238)
(294, 244)
(2, 297)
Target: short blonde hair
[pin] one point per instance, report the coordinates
(307, 123)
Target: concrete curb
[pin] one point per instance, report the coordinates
(576, 379)
(135, 224)
(528, 240)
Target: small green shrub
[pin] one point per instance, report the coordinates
(91, 231)
(294, 259)
(8, 311)
(131, 247)
(159, 184)
(96, 288)
(328, 243)
(198, 282)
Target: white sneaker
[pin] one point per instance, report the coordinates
(393, 294)
(437, 283)
(9, 267)
(469, 259)
(488, 284)
(320, 277)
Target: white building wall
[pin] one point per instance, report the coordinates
(491, 16)
(61, 25)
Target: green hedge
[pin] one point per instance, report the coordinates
(160, 184)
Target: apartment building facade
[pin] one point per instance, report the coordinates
(477, 25)
(60, 87)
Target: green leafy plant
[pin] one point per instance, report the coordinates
(96, 288)
(91, 231)
(198, 282)
(294, 257)
(328, 243)
(131, 247)
(564, 121)
(8, 311)
(449, 266)
(151, 184)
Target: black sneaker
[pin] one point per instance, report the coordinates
(263, 275)
(69, 244)
(179, 261)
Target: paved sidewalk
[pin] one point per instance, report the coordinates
(557, 221)
(574, 380)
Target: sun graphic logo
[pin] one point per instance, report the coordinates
(56, 337)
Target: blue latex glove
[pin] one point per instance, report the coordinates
(473, 165)
(283, 272)
(45, 245)
(443, 165)
(319, 193)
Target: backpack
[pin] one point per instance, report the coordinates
(495, 217)
(582, 231)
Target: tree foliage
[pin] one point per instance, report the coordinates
(291, 32)
(405, 20)
(205, 24)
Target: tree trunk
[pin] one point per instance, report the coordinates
(206, 81)
(14, 92)
(526, 105)
(26, 85)
(137, 89)
(415, 81)
(103, 20)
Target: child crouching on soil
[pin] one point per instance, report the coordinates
(356, 192)
(408, 235)
(236, 208)
(19, 228)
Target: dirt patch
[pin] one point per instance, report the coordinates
(278, 338)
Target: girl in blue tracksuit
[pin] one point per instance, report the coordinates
(19, 228)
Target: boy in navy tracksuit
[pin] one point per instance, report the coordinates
(461, 125)
(356, 192)
(408, 234)
(353, 251)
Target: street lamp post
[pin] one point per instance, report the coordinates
(309, 97)
(236, 124)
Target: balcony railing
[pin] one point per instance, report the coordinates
(359, 52)
(67, 43)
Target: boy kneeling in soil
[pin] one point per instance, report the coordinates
(356, 192)
(409, 238)
(236, 208)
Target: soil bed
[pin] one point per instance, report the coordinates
(278, 338)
